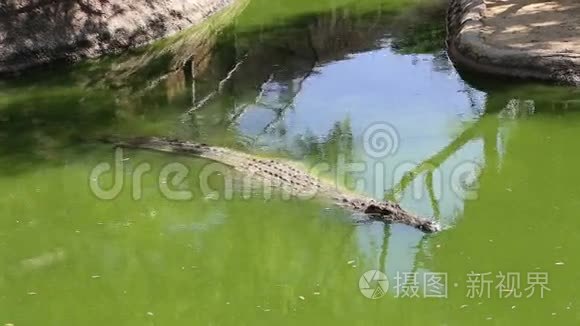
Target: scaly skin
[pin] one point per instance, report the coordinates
(284, 174)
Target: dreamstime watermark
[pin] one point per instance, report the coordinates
(380, 142)
(375, 284)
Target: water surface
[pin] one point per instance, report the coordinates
(493, 160)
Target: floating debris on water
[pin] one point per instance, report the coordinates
(560, 263)
(302, 298)
(149, 313)
(350, 262)
(44, 260)
(96, 276)
(212, 196)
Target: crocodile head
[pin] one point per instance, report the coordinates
(430, 227)
(394, 212)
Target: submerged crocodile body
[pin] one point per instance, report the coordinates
(287, 176)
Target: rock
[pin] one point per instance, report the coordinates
(481, 38)
(34, 32)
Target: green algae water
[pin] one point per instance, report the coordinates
(494, 161)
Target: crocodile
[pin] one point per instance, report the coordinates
(285, 174)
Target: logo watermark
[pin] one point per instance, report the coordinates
(374, 285)
(415, 285)
(381, 140)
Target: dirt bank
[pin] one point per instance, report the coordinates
(34, 32)
(537, 39)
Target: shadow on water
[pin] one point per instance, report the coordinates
(58, 106)
(201, 83)
(268, 70)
